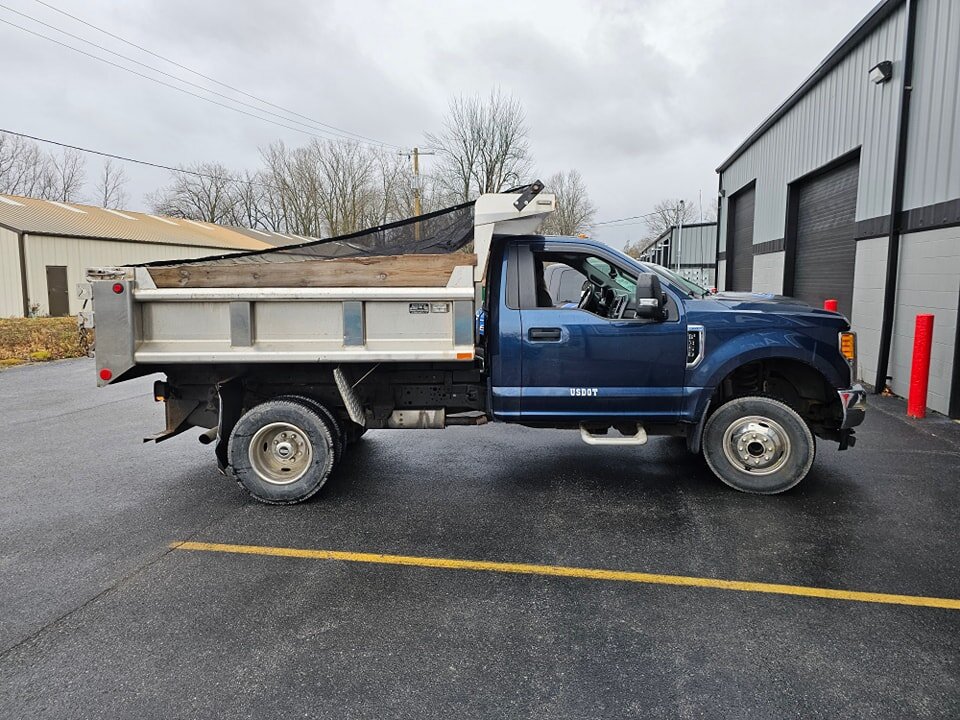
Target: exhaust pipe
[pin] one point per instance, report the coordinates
(208, 436)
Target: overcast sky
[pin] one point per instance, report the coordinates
(645, 98)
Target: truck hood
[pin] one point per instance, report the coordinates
(777, 305)
(760, 301)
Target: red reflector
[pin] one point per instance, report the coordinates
(118, 288)
(105, 374)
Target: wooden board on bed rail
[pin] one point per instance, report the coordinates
(375, 271)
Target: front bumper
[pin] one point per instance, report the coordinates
(854, 403)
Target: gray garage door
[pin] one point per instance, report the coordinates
(826, 249)
(741, 235)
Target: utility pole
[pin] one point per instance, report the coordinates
(415, 156)
(417, 202)
(679, 235)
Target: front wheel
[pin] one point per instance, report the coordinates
(758, 445)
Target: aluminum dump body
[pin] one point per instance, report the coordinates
(359, 298)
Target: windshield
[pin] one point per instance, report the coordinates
(624, 282)
(691, 287)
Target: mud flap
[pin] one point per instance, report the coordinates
(177, 413)
(231, 405)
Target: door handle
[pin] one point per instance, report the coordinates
(544, 334)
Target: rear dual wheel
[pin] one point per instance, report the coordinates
(282, 451)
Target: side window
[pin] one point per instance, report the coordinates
(579, 280)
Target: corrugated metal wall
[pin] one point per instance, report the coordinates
(697, 244)
(78, 255)
(843, 112)
(933, 143)
(11, 302)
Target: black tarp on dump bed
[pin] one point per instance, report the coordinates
(443, 231)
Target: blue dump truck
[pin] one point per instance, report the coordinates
(462, 317)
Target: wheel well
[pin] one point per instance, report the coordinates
(799, 385)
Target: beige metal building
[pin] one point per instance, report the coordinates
(46, 246)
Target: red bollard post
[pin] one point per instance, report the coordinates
(920, 369)
(831, 305)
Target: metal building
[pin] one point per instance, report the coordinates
(851, 190)
(46, 246)
(690, 250)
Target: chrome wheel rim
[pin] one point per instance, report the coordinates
(280, 453)
(756, 444)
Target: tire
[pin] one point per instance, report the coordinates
(758, 445)
(281, 452)
(336, 429)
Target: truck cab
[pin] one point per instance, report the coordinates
(640, 350)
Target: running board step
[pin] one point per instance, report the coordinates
(640, 438)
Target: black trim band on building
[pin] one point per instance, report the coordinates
(764, 248)
(929, 217)
(770, 246)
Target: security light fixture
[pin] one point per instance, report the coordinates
(881, 72)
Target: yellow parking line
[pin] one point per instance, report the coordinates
(574, 572)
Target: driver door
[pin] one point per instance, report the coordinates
(578, 364)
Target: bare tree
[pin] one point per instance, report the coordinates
(66, 176)
(249, 204)
(482, 146)
(23, 166)
(668, 213)
(332, 188)
(349, 198)
(26, 170)
(575, 212)
(205, 195)
(110, 186)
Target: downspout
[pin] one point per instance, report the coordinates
(716, 255)
(896, 203)
(22, 250)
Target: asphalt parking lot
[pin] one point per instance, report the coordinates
(101, 617)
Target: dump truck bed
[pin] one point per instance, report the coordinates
(336, 301)
(408, 307)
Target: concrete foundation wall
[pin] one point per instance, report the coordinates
(768, 273)
(929, 283)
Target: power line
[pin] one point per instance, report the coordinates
(179, 79)
(207, 77)
(619, 220)
(161, 82)
(147, 163)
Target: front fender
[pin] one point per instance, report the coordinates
(723, 356)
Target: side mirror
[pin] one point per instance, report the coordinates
(650, 298)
